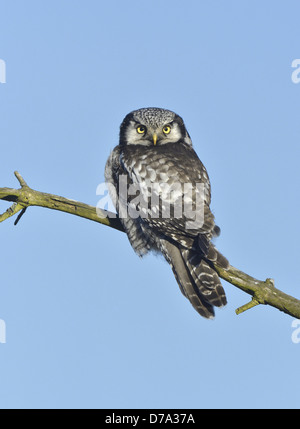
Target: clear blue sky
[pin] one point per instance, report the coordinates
(89, 324)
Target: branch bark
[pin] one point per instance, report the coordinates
(262, 292)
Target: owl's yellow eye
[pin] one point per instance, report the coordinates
(141, 129)
(166, 129)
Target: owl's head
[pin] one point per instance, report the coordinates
(153, 126)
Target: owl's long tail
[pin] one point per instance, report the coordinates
(197, 280)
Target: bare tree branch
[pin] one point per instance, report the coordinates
(262, 292)
(25, 197)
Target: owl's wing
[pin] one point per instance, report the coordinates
(113, 171)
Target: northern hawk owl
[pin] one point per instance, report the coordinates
(161, 192)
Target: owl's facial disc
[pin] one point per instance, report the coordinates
(138, 133)
(153, 127)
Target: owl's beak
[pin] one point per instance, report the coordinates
(154, 139)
